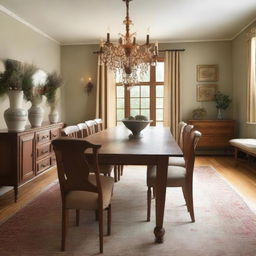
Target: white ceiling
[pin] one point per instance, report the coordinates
(87, 21)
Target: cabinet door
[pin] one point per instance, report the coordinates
(27, 169)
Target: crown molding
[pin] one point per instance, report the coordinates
(160, 42)
(18, 18)
(243, 29)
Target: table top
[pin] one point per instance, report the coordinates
(156, 141)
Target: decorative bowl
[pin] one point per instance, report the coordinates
(136, 126)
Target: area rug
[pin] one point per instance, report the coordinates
(224, 225)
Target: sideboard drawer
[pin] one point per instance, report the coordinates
(55, 133)
(43, 165)
(43, 150)
(43, 136)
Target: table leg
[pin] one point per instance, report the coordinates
(162, 166)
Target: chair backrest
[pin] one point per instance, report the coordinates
(83, 130)
(71, 131)
(91, 126)
(73, 164)
(180, 133)
(190, 147)
(186, 133)
(98, 124)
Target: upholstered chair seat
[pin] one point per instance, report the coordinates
(85, 200)
(175, 178)
(177, 161)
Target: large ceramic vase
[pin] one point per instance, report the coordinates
(53, 115)
(15, 116)
(36, 113)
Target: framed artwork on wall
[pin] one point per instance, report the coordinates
(207, 73)
(206, 92)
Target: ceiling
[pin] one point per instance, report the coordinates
(87, 21)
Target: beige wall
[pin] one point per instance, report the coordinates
(19, 42)
(77, 62)
(240, 69)
(203, 53)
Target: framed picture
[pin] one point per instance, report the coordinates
(206, 92)
(207, 73)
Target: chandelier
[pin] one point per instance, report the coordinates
(129, 60)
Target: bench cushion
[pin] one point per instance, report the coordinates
(248, 145)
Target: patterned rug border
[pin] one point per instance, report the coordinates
(249, 205)
(44, 190)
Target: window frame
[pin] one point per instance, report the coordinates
(152, 96)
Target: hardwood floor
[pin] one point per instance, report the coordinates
(241, 177)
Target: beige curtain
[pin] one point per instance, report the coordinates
(172, 107)
(251, 100)
(106, 96)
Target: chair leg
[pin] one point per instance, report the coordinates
(96, 215)
(64, 228)
(149, 204)
(101, 229)
(119, 172)
(190, 202)
(154, 193)
(185, 197)
(77, 217)
(115, 173)
(109, 220)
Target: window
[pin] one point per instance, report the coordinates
(252, 82)
(146, 98)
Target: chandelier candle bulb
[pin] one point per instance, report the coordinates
(147, 39)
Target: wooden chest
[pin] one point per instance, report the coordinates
(215, 133)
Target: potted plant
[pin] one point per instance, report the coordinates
(53, 82)
(222, 102)
(13, 81)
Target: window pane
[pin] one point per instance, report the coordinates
(135, 102)
(159, 103)
(135, 112)
(145, 77)
(145, 112)
(135, 91)
(144, 103)
(120, 114)
(120, 103)
(144, 91)
(159, 114)
(159, 91)
(120, 91)
(119, 123)
(160, 72)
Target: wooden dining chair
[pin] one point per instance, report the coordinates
(81, 190)
(71, 131)
(178, 176)
(91, 126)
(179, 161)
(98, 124)
(83, 130)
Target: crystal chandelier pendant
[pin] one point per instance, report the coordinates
(128, 59)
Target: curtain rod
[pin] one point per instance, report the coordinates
(172, 50)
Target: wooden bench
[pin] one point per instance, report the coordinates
(248, 146)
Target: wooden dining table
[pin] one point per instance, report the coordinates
(154, 148)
